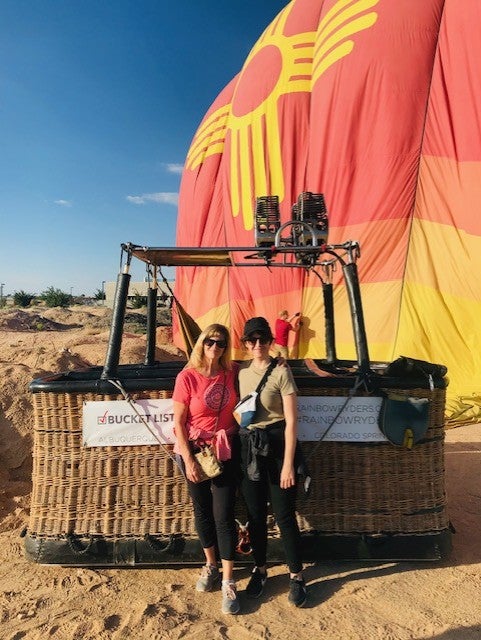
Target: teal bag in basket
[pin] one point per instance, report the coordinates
(404, 420)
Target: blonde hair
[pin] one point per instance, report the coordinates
(197, 359)
(283, 314)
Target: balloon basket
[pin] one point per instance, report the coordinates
(128, 505)
(125, 503)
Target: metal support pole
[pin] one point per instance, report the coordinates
(355, 303)
(151, 326)
(115, 339)
(330, 335)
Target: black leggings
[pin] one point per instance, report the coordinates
(256, 495)
(214, 502)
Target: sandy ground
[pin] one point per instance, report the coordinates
(349, 601)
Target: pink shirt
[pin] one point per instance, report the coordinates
(210, 402)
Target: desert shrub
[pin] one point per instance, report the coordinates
(22, 299)
(99, 295)
(56, 297)
(164, 317)
(138, 301)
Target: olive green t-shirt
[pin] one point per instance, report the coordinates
(279, 383)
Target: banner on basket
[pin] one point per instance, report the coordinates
(114, 423)
(357, 422)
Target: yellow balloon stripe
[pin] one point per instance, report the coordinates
(444, 324)
(258, 156)
(433, 247)
(209, 138)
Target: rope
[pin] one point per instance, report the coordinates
(117, 384)
(359, 381)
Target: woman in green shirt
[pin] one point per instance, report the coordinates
(268, 451)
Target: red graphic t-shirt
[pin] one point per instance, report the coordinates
(210, 402)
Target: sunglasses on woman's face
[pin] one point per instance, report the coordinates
(262, 340)
(210, 342)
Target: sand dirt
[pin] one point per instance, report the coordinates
(349, 601)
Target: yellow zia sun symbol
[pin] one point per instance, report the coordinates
(277, 65)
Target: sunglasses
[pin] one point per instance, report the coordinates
(210, 342)
(262, 340)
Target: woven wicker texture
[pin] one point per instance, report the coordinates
(118, 492)
(378, 487)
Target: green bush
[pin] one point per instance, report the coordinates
(56, 297)
(99, 295)
(138, 301)
(22, 299)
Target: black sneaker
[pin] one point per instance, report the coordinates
(297, 592)
(256, 584)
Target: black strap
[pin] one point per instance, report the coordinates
(358, 382)
(269, 369)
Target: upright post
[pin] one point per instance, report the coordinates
(151, 325)
(330, 335)
(115, 338)
(355, 303)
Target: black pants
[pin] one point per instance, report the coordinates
(257, 494)
(214, 503)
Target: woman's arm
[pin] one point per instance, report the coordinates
(192, 469)
(288, 476)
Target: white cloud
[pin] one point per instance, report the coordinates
(63, 203)
(158, 198)
(174, 168)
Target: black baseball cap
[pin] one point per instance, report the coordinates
(259, 325)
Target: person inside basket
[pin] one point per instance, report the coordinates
(268, 451)
(204, 396)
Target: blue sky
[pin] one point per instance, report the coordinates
(99, 101)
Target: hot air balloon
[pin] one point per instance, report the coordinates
(374, 104)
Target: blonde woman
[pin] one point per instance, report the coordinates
(204, 397)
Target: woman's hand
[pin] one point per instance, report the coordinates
(192, 469)
(288, 477)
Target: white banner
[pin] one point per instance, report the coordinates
(113, 423)
(357, 422)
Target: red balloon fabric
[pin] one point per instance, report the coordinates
(377, 105)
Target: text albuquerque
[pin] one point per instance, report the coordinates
(114, 423)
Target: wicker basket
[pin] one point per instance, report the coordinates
(131, 492)
(378, 487)
(101, 491)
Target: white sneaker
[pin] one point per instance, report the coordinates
(209, 577)
(230, 601)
